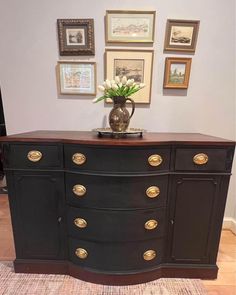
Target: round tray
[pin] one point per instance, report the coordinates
(109, 132)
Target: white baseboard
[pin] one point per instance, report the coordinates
(230, 224)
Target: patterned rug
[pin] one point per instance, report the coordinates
(37, 284)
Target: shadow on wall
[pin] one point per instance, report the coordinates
(175, 92)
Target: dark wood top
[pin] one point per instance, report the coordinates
(88, 137)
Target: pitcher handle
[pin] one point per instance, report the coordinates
(133, 106)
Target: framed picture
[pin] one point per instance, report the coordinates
(134, 64)
(181, 35)
(177, 72)
(77, 77)
(130, 26)
(76, 36)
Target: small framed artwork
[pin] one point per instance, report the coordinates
(130, 26)
(77, 77)
(134, 64)
(181, 35)
(76, 36)
(177, 72)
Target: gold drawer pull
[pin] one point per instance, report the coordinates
(151, 224)
(79, 190)
(200, 159)
(149, 255)
(153, 191)
(80, 222)
(155, 160)
(79, 158)
(34, 156)
(81, 253)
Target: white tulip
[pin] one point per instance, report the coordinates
(142, 85)
(113, 82)
(130, 82)
(95, 99)
(120, 84)
(124, 80)
(101, 88)
(117, 79)
(114, 86)
(108, 84)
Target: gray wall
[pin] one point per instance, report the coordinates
(29, 54)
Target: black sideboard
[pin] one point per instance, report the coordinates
(117, 211)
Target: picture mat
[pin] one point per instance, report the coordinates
(73, 32)
(186, 32)
(143, 95)
(115, 19)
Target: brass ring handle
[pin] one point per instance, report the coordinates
(79, 190)
(151, 224)
(79, 158)
(153, 191)
(81, 253)
(200, 159)
(155, 160)
(80, 222)
(34, 156)
(149, 255)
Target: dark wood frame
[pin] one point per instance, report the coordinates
(180, 60)
(183, 23)
(87, 25)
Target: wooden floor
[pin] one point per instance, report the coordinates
(224, 285)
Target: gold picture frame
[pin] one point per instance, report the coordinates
(177, 72)
(129, 26)
(77, 78)
(134, 64)
(181, 35)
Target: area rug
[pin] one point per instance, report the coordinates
(38, 284)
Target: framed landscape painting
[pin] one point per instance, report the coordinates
(181, 35)
(134, 64)
(76, 36)
(77, 77)
(177, 72)
(130, 26)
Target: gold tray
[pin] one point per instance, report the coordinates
(109, 132)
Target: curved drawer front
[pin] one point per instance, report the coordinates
(118, 256)
(201, 159)
(111, 225)
(116, 191)
(112, 159)
(34, 156)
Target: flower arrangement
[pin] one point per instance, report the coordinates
(118, 87)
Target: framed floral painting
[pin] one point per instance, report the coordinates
(77, 77)
(76, 36)
(177, 72)
(130, 26)
(181, 35)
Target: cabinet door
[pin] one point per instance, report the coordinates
(193, 210)
(37, 205)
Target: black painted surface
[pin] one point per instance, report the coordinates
(116, 191)
(193, 202)
(216, 159)
(16, 156)
(116, 159)
(37, 209)
(111, 225)
(116, 256)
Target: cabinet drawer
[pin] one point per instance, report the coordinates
(97, 191)
(201, 159)
(111, 225)
(118, 256)
(119, 160)
(34, 156)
